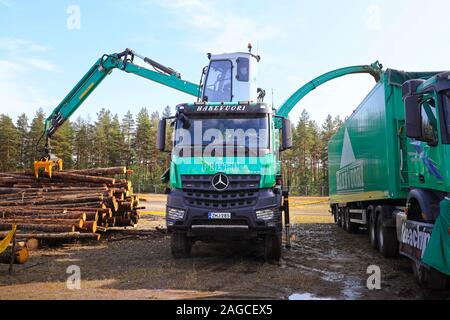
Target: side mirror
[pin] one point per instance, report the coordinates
(161, 139)
(413, 117)
(286, 134)
(185, 121)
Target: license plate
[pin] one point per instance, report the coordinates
(219, 215)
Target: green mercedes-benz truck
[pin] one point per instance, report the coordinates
(389, 171)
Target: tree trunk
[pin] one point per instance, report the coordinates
(78, 206)
(38, 221)
(38, 227)
(25, 211)
(55, 236)
(91, 216)
(100, 171)
(83, 178)
(90, 226)
(70, 215)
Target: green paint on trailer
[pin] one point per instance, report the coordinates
(369, 157)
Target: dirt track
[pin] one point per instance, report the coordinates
(131, 266)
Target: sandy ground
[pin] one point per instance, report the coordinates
(323, 263)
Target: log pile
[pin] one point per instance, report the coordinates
(72, 205)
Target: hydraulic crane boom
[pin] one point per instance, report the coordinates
(98, 72)
(102, 68)
(375, 70)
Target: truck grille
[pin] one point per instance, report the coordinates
(241, 192)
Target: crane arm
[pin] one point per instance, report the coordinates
(99, 71)
(375, 70)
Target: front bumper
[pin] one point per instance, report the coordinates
(244, 221)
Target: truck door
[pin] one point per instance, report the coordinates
(425, 156)
(402, 142)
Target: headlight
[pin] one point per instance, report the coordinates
(175, 214)
(266, 214)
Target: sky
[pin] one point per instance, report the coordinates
(47, 46)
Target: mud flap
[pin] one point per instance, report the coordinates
(287, 222)
(437, 253)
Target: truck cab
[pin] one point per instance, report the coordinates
(231, 77)
(224, 175)
(427, 112)
(425, 232)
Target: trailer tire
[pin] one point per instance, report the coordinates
(372, 227)
(350, 227)
(387, 239)
(272, 247)
(180, 245)
(334, 211)
(344, 218)
(339, 218)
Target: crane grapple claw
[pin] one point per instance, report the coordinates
(47, 165)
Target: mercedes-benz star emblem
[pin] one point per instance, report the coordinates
(220, 182)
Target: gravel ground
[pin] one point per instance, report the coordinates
(323, 263)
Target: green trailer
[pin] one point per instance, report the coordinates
(388, 174)
(370, 165)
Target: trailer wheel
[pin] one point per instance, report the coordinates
(387, 239)
(272, 247)
(339, 218)
(334, 211)
(180, 245)
(350, 227)
(372, 227)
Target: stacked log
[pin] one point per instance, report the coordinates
(71, 205)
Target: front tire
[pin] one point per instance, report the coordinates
(180, 245)
(272, 247)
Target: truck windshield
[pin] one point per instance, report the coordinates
(231, 135)
(218, 82)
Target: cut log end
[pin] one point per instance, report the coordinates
(90, 226)
(32, 244)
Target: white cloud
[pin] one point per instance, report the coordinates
(16, 45)
(198, 13)
(19, 60)
(42, 64)
(17, 95)
(9, 68)
(219, 29)
(6, 3)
